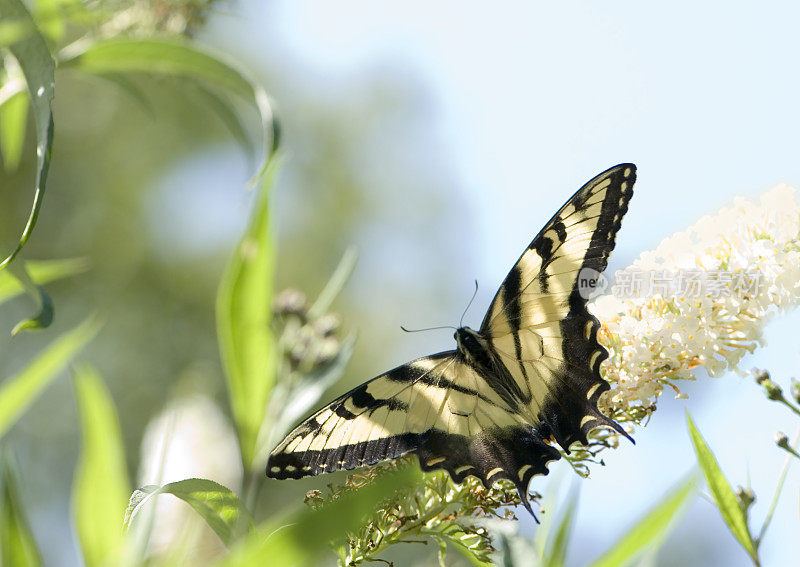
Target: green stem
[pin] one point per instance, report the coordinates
(252, 489)
(785, 402)
(774, 503)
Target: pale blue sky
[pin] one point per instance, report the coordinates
(534, 98)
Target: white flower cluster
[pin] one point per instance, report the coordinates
(656, 340)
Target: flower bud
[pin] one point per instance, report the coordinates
(290, 301)
(745, 496)
(327, 324)
(795, 389)
(781, 440)
(761, 376)
(298, 352)
(774, 392)
(328, 349)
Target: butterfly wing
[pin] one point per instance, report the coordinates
(437, 407)
(538, 322)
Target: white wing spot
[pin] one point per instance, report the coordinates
(435, 461)
(587, 330)
(621, 201)
(623, 186)
(591, 391)
(459, 470)
(627, 172)
(586, 419)
(592, 360)
(522, 471)
(290, 468)
(275, 469)
(493, 472)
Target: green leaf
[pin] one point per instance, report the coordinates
(648, 531)
(19, 392)
(38, 67)
(100, 489)
(217, 505)
(44, 304)
(303, 537)
(227, 114)
(247, 344)
(18, 547)
(41, 272)
(173, 58)
(722, 492)
(13, 118)
(556, 553)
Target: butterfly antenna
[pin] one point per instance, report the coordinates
(461, 323)
(426, 329)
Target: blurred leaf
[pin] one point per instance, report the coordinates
(19, 392)
(512, 549)
(227, 113)
(38, 68)
(131, 89)
(44, 304)
(556, 553)
(172, 58)
(100, 489)
(335, 284)
(50, 18)
(246, 341)
(18, 547)
(721, 491)
(41, 272)
(648, 531)
(306, 535)
(217, 505)
(13, 118)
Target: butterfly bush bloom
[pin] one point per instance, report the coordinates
(700, 299)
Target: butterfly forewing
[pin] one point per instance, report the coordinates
(538, 322)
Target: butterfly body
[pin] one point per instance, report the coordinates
(492, 407)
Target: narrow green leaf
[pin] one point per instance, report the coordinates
(18, 547)
(41, 272)
(19, 392)
(305, 536)
(649, 530)
(173, 58)
(100, 489)
(721, 491)
(38, 68)
(335, 284)
(131, 89)
(247, 344)
(13, 117)
(556, 553)
(44, 304)
(217, 505)
(227, 114)
(49, 16)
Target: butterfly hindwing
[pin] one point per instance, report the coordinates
(538, 322)
(437, 407)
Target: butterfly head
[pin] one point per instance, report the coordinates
(472, 345)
